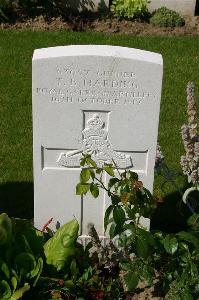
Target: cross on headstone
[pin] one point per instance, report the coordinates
(95, 141)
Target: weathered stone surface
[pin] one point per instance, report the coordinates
(184, 7)
(102, 100)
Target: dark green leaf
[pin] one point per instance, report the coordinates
(142, 247)
(131, 212)
(4, 268)
(92, 174)
(187, 296)
(74, 269)
(5, 229)
(118, 229)
(112, 182)
(148, 236)
(170, 244)
(112, 231)
(83, 161)
(107, 215)
(194, 220)
(82, 188)
(3, 236)
(115, 199)
(94, 190)
(183, 246)
(189, 237)
(35, 239)
(99, 171)
(148, 274)
(132, 175)
(194, 271)
(131, 280)
(5, 290)
(25, 263)
(27, 247)
(109, 169)
(184, 258)
(125, 188)
(119, 215)
(37, 271)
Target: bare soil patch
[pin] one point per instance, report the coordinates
(105, 24)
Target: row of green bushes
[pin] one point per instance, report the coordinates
(122, 9)
(137, 9)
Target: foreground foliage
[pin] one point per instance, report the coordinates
(100, 270)
(20, 257)
(172, 260)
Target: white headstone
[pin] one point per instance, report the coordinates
(99, 99)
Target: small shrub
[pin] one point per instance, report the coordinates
(165, 17)
(130, 9)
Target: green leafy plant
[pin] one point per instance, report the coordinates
(98, 270)
(179, 272)
(170, 259)
(61, 246)
(129, 202)
(164, 17)
(129, 9)
(20, 268)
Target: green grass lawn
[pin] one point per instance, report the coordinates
(181, 64)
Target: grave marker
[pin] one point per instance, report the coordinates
(103, 100)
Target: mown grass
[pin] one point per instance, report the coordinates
(181, 64)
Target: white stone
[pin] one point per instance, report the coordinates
(91, 97)
(184, 7)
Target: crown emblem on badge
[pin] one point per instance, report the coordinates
(95, 122)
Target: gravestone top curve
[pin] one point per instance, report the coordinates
(98, 50)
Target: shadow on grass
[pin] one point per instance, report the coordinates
(171, 215)
(16, 199)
